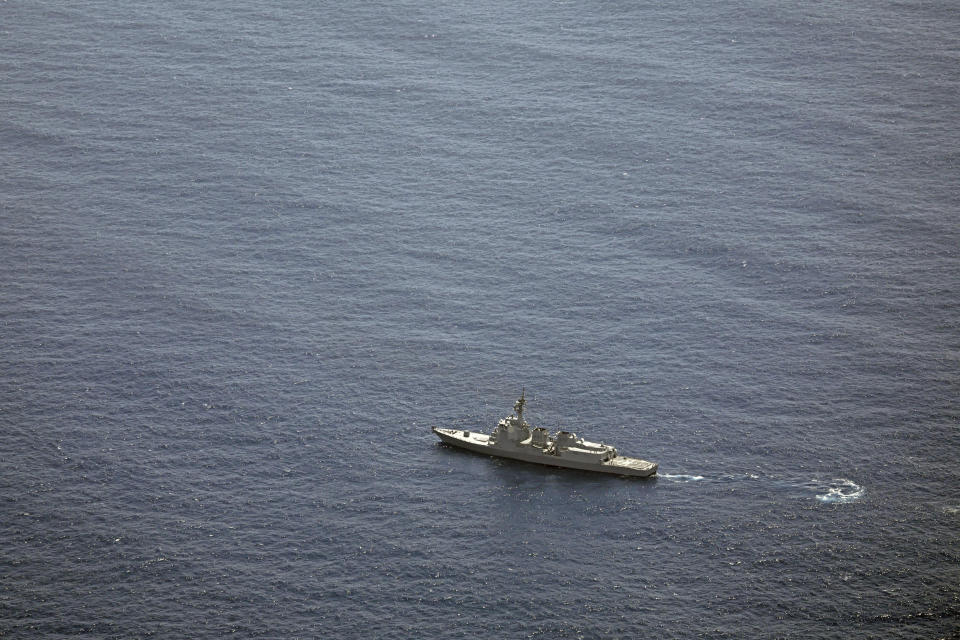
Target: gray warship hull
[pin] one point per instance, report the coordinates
(481, 443)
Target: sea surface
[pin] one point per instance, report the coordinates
(251, 251)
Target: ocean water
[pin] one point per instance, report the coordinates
(250, 252)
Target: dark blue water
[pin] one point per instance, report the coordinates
(250, 252)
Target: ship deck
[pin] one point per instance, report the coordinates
(480, 443)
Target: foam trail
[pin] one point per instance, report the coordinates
(680, 477)
(837, 491)
(841, 490)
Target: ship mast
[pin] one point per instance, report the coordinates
(518, 405)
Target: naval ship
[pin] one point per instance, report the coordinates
(514, 438)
